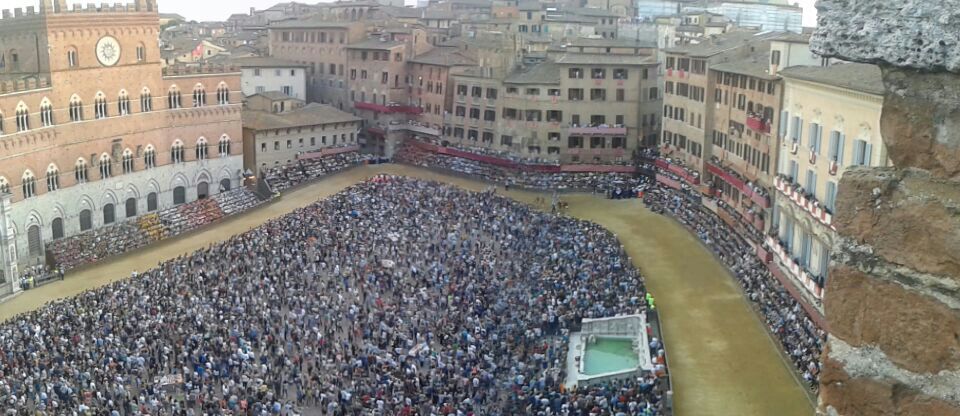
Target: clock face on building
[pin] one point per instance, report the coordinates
(108, 51)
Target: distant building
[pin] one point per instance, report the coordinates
(261, 75)
(772, 15)
(278, 129)
(170, 17)
(578, 108)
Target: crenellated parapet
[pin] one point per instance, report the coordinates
(24, 85)
(54, 7)
(182, 70)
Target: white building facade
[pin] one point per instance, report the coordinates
(259, 75)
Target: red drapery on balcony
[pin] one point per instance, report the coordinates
(757, 124)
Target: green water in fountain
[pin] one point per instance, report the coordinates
(609, 355)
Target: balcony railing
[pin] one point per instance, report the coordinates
(793, 268)
(759, 198)
(688, 176)
(808, 203)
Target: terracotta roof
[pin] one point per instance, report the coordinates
(859, 77)
(749, 67)
(605, 59)
(315, 22)
(443, 57)
(610, 43)
(311, 115)
(723, 43)
(375, 44)
(266, 62)
(544, 73)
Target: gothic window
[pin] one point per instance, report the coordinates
(123, 103)
(53, 178)
(72, 58)
(76, 108)
(223, 94)
(224, 148)
(149, 157)
(29, 185)
(23, 117)
(201, 149)
(173, 97)
(146, 100)
(199, 96)
(106, 168)
(100, 106)
(80, 171)
(46, 113)
(176, 152)
(127, 161)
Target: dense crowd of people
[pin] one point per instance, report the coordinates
(393, 297)
(95, 245)
(799, 336)
(613, 185)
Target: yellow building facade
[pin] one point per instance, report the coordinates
(830, 121)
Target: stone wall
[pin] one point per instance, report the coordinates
(893, 301)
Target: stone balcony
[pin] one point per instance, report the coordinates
(809, 204)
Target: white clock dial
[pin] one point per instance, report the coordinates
(108, 51)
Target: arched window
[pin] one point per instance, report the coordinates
(141, 53)
(76, 108)
(203, 190)
(106, 168)
(201, 148)
(109, 214)
(127, 161)
(150, 157)
(23, 117)
(100, 106)
(86, 220)
(46, 113)
(179, 195)
(29, 185)
(173, 97)
(1, 123)
(225, 185)
(123, 103)
(146, 100)
(53, 178)
(151, 202)
(224, 147)
(176, 152)
(57, 228)
(4, 186)
(223, 94)
(80, 171)
(131, 207)
(199, 96)
(72, 58)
